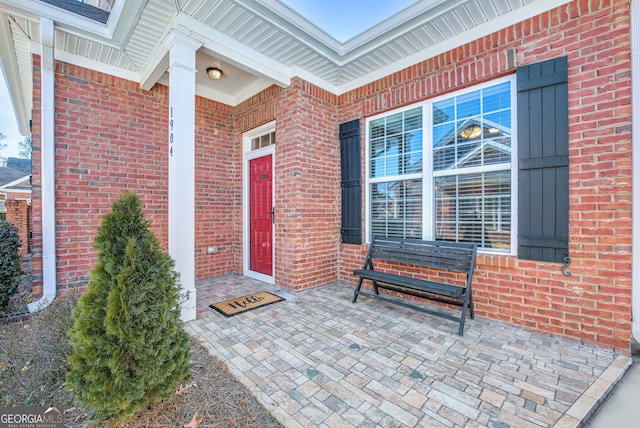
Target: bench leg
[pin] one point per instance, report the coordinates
(375, 288)
(463, 316)
(355, 293)
(357, 290)
(471, 306)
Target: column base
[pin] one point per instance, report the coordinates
(188, 306)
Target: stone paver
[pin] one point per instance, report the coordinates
(317, 360)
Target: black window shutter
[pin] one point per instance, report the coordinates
(543, 161)
(351, 183)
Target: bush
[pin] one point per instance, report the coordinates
(129, 347)
(9, 262)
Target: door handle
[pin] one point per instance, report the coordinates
(273, 215)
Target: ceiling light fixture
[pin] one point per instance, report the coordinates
(214, 73)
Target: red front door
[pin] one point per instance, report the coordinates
(261, 215)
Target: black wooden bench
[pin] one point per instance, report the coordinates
(441, 255)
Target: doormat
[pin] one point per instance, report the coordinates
(236, 306)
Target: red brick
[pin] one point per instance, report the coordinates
(117, 133)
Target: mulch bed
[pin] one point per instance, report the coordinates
(213, 392)
(219, 399)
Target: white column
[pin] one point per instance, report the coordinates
(182, 96)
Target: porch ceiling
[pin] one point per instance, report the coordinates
(256, 43)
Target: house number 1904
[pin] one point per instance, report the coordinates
(171, 131)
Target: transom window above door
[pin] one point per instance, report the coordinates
(263, 141)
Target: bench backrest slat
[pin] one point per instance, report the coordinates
(432, 254)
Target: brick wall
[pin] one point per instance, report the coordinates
(19, 214)
(110, 136)
(308, 162)
(218, 191)
(307, 194)
(594, 303)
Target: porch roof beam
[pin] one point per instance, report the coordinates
(235, 53)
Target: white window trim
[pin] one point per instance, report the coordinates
(368, 180)
(428, 175)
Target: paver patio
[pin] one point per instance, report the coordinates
(317, 360)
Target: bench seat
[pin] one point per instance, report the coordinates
(438, 255)
(448, 290)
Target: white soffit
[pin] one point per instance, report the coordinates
(15, 62)
(264, 39)
(122, 19)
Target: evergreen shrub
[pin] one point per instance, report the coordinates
(129, 347)
(10, 267)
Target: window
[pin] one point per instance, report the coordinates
(395, 150)
(263, 141)
(443, 170)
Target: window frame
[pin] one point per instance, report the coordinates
(428, 175)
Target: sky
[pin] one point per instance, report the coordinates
(8, 123)
(343, 19)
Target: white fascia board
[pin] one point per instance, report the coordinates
(204, 92)
(215, 95)
(157, 61)
(296, 25)
(153, 71)
(113, 34)
(212, 94)
(123, 18)
(508, 19)
(402, 20)
(234, 52)
(315, 80)
(62, 18)
(250, 90)
(9, 67)
(91, 64)
(7, 191)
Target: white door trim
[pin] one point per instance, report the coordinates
(247, 157)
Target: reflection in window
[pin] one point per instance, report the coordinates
(474, 208)
(396, 144)
(474, 133)
(396, 208)
(396, 151)
(473, 129)
(467, 170)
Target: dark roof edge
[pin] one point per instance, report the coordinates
(82, 9)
